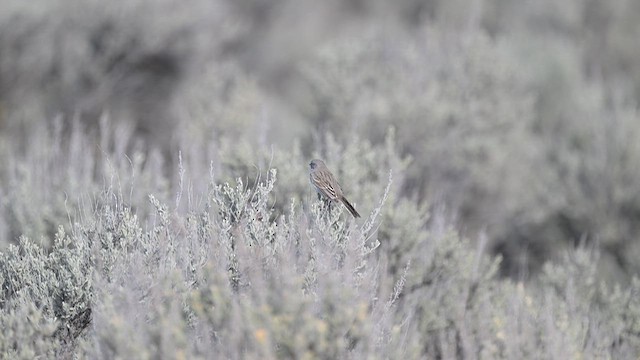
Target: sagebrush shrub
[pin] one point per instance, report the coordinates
(238, 277)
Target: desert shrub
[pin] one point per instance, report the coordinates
(577, 61)
(53, 291)
(83, 58)
(239, 277)
(28, 332)
(608, 318)
(460, 107)
(484, 99)
(172, 215)
(66, 176)
(492, 123)
(587, 158)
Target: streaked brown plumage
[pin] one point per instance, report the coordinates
(326, 185)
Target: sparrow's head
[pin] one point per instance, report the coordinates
(315, 163)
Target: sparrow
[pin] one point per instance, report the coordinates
(326, 185)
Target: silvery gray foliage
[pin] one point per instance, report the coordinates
(518, 120)
(237, 278)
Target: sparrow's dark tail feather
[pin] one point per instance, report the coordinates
(350, 207)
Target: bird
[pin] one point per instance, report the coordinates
(326, 185)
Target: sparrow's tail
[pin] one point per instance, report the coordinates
(350, 207)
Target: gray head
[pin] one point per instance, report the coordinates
(315, 163)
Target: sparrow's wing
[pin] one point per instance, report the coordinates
(326, 183)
